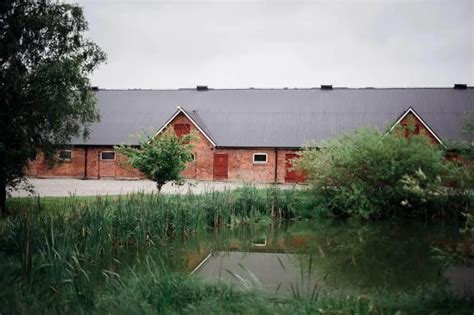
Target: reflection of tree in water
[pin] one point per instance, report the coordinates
(391, 256)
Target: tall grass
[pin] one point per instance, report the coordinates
(152, 290)
(62, 255)
(68, 260)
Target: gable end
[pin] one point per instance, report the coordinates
(179, 111)
(411, 111)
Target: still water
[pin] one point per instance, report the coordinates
(313, 257)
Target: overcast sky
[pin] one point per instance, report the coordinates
(257, 43)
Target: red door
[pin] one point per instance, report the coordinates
(220, 166)
(292, 176)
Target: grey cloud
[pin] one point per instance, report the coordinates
(172, 44)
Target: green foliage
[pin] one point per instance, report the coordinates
(75, 258)
(44, 81)
(161, 158)
(372, 176)
(467, 152)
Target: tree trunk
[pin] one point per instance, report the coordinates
(3, 182)
(3, 199)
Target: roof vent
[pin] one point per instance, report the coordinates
(326, 87)
(460, 86)
(201, 88)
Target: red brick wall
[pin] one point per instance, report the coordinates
(118, 169)
(202, 167)
(96, 168)
(242, 168)
(240, 163)
(411, 120)
(72, 168)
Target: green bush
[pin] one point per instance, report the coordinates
(369, 175)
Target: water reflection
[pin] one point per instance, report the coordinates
(276, 273)
(307, 257)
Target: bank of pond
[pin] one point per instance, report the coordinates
(244, 251)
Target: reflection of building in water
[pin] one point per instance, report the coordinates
(297, 274)
(262, 243)
(274, 273)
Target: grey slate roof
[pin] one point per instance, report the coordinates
(276, 117)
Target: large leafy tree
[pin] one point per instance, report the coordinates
(45, 92)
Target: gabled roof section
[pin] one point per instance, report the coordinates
(193, 118)
(410, 110)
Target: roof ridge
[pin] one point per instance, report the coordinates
(284, 89)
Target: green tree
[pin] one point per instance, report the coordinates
(370, 175)
(467, 154)
(161, 158)
(44, 83)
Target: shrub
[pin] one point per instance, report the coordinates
(372, 176)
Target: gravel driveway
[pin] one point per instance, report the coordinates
(68, 186)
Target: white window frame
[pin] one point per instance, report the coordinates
(108, 160)
(62, 159)
(260, 162)
(194, 157)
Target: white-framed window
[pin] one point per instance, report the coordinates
(65, 155)
(193, 157)
(107, 156)
(260, 158)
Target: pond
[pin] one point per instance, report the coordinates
(313, 257)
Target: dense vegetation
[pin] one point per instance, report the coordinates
(66, 256)
(370, 175)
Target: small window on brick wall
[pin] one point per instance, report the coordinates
(260, 158)
(193, 157)
(182, 129)
(107, 156)
(65, 155)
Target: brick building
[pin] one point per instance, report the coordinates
(252, 135)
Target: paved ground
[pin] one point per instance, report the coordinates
(68, 186)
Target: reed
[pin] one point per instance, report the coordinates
(69, 259)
